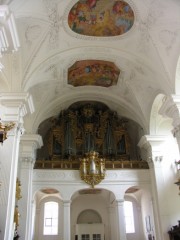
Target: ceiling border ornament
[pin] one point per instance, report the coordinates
(93, 38)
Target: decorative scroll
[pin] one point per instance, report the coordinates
(86, 127)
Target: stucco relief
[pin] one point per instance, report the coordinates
(155, 12)
(52, 70)
(32, 32)
(168, 38)
(55, 22)
(73, 175)
(46, 175)
(111, 175)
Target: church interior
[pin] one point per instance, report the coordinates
(89, 120)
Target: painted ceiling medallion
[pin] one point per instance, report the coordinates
(94, 73)
(101, 18)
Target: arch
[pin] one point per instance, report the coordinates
(90, 210)
(39, 217)
(34, 76)
(89, 216)
(41, 194)
(159, 125)
(123, 108)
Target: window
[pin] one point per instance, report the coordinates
(85, 237)
(51, 218)
(129, 217)
(96, 236)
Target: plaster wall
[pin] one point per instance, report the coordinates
(39, 216)
(68, 183)
(93, 202)
(116, 182)
(137, 220)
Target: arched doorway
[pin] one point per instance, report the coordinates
(89, 225)
(91, 216)
(48, 222)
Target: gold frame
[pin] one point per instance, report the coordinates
(4, 128)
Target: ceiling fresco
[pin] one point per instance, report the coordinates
(93, 72)
(101, 18)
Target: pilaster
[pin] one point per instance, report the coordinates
(12, 109)
(112, 223)
(154, 154)
(67, 222)
(28, 146)
(121, 217)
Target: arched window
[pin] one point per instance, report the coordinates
(129, 217)
(51, 210)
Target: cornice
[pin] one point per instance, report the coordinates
(15, 106)
(32, 140)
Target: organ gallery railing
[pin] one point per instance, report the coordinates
(75, 164)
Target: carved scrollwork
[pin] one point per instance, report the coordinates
(85, 127)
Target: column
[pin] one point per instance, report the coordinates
(112, 223)
(67, 220)
(121, 222)
(12, 109)
(28, 145)
(153, 146)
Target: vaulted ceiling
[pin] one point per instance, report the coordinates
(146, 56)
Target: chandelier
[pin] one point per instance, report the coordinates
(92, 168)
(4, 128)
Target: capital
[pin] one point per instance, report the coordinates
(66, 203)
(29, 143)
(27, 163)
(14, 106)
(171, 108)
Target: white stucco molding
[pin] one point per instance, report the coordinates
(9, 40)
(14, 106)
(171, 108)
(68, 182)
(154, 147)
(29, 143)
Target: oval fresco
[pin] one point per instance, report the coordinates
(101, 18)
(94, 73)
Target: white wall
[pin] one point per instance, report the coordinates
(90, 201)
(39, 216)
(90, 229)
(137, 219)
(68, 183)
